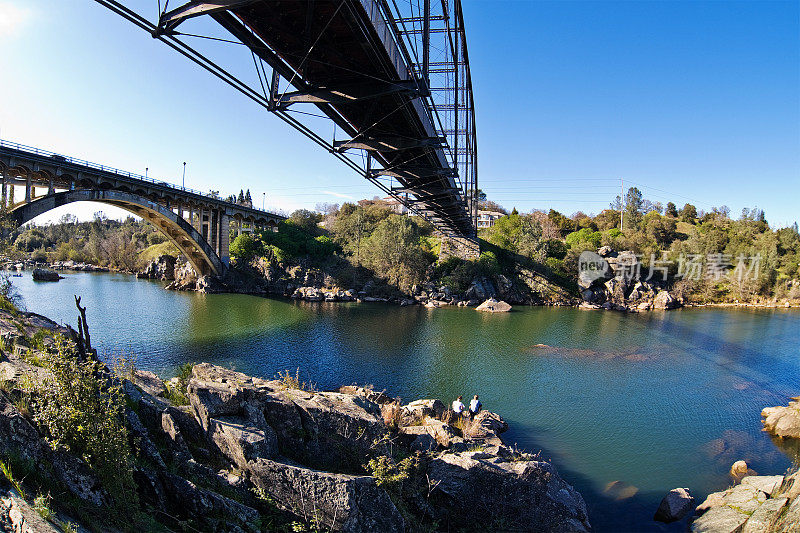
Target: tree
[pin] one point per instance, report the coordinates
(240, 198)
(306, 220)
(394, 252)
(634, 206)
(688, 213)
(248, 200)
(514, 211)
(671, 211)
(244, 247)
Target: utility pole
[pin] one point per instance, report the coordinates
(183, 180)
(621, 202)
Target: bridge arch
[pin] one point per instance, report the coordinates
(188, 240)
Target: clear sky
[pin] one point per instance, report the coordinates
(690, 101)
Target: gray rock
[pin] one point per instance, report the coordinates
(524, 495)
(721, 519)
(333, 501)
(162, 268)
(783, 421)
(675, 505)
(766, 484)
(664, 300)
(240, 441)
(765, 517)
(43, 274)
(494, 306)
(17, 516)
(745, 498)
(788, 522)
(424, 443)
(422, 408)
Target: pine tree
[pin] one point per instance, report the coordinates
(240, 199)
(248, 200)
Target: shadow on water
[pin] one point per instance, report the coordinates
(618, 507)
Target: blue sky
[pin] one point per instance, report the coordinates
(690, 101)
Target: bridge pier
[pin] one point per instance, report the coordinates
(27, 187)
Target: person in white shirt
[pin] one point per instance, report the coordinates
(458, 406)
(475, 406)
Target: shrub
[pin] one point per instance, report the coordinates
(244, 247)
(80, 407)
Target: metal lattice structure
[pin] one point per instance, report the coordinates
(392, 75)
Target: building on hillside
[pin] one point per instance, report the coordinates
(395, 205)
(486, 218)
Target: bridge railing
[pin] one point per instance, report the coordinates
(60, 158)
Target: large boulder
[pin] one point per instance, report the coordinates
(326, 430)
(675, 505)
(43, 274)
(664, 300)
(476, 492)
(494, 306)
(783, 421)
(337, 502)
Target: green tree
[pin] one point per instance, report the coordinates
(689, 213)
(634, 207)
(394, 252)
(671, 211)
(244, 248)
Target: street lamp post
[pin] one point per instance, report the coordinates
(145, 172)
(183, 180)
(263, 201)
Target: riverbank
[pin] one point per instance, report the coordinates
(218, 449)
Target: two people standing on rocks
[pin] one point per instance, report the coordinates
(475, 406)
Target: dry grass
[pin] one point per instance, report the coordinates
(290, 381)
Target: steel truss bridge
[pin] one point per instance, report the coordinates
(392, 76)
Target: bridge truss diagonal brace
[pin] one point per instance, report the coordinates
(167, 22)
(387, 144)
(350, 94)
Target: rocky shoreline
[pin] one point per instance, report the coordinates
(222, 451)
(753, 503)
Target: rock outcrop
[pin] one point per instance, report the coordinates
(43, 274)
(613, 283)
(783, 422)
(246, 448)
(161, 268)
(494, 306)
(759, 504)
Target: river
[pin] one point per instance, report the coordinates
(652, 401)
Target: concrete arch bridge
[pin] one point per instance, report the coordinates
(35, 181)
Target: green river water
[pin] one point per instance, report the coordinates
(652, 401)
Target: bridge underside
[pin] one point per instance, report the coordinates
(402, 106)
(186, 238)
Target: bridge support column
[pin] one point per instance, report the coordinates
(5, 191)
(27, 187)
(51, 188)
(225, 239)
(213, 230)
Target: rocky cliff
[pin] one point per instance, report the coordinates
(216, 450)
